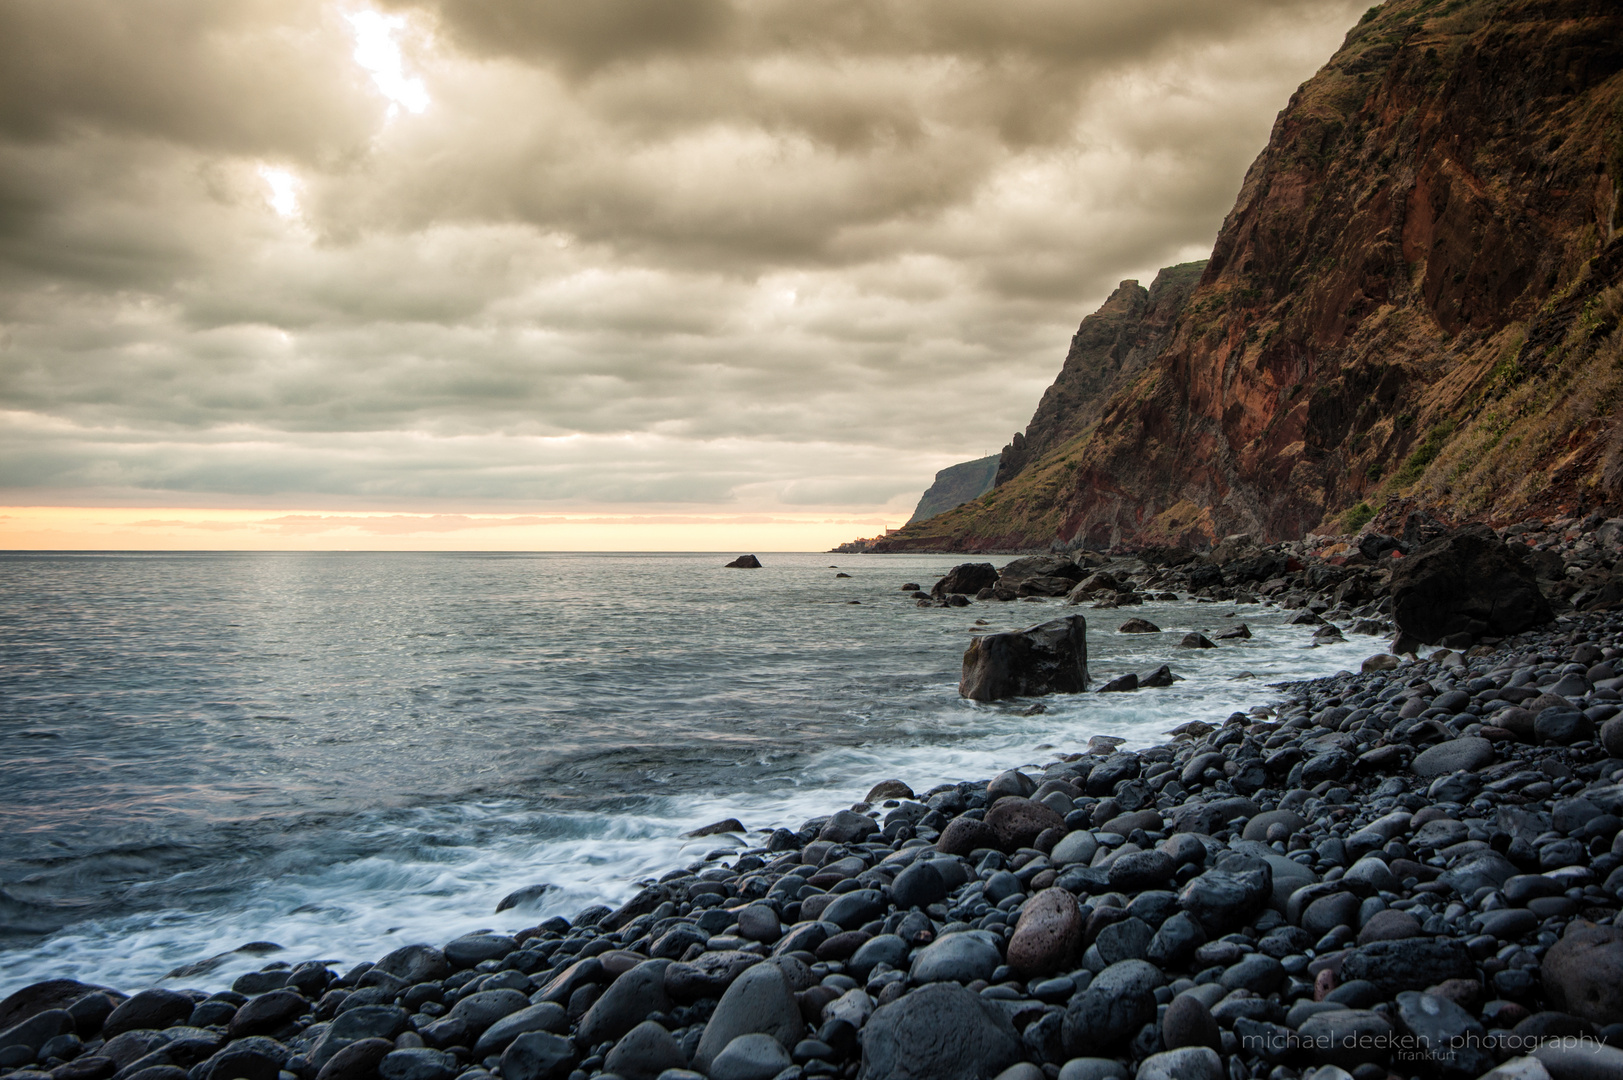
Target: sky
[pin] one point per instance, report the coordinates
(627, 274)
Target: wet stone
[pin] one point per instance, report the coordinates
(1451, 1037)
(1128, 939)
(1188, 1022)
(1118, 1001)
(419, 1063)
(471, 949)
(760, 1001)
(938, 1032)
(960, 958)
(644, 1052)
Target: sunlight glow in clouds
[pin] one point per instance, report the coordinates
(284, 190)
(630, 275)
(378, 52)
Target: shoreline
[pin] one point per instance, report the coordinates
(930, 936)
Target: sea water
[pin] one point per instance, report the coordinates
(341, 753)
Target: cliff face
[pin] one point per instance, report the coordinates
(956, 485)
(1415, 298)
(1111, 347)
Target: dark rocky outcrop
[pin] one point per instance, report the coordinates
(745, 562)
(1050, 658)
(966, 579)
(1466, 583)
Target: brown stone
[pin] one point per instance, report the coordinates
(1018, 822)
(1188, 1022)
(1048, 934)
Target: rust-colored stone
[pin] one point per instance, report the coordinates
(1048, 934)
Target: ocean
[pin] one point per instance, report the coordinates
(341, 753)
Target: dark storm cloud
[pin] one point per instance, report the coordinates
(677, 251)
(246, 76)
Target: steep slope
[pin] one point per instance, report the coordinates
(1416, 298)
(956, 485)
(1111, 347)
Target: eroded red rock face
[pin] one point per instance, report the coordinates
(1416, 294)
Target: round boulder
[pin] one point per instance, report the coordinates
(965, 834)
(1469, 753)
(1119, 1001)
(625, 1004)
(414, 964)
(1139, 870)
(1189, 1063)
(750, 1057)
(962, 957)
(646, 1051)
(1047, 934)
(1562, 726)
(939, 1032)
(1583, 973)
(760, 1001)
(471, 949)
(1017, 822)
(1188, 1022)
(1611, 737)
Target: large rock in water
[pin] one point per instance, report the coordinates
(744, 562)
(1467, 582)
(1050, 658)
(938, 1032)
(1040, 566)
(968, 578)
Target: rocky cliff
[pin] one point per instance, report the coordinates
(956, 485)
(1414, 301)
(1111, 347)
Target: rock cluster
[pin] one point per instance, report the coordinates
(1412, 872)
(1430, 586)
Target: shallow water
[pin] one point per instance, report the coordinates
(341, 753)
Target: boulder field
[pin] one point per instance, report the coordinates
(1411, 872)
